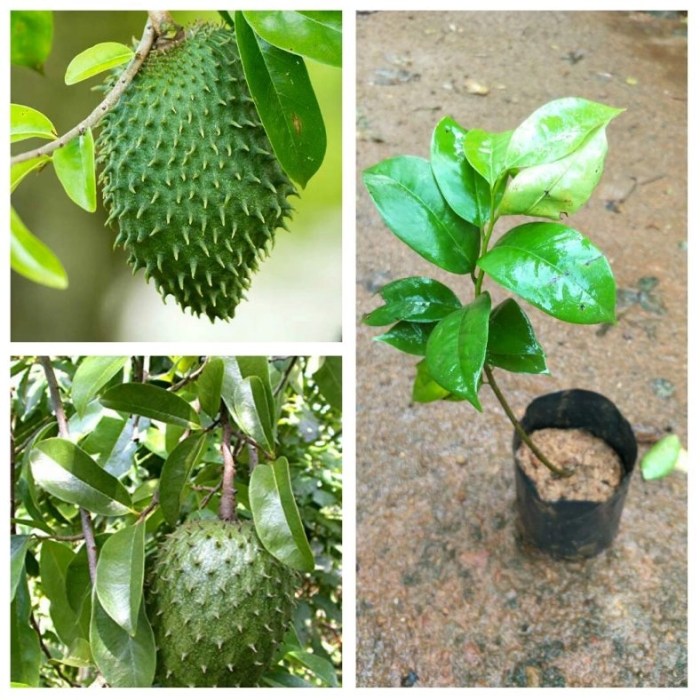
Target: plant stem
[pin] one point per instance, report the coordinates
(47, 653)
(519, 428)
(150, 33)
(90, 546)
(227, 507)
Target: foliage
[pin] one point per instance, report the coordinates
(141, 451)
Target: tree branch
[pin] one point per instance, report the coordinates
(227, 507)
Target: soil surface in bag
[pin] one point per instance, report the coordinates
(596, 466)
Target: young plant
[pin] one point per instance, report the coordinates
(446, 210)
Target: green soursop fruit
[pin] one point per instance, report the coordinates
(219, 604)
(189, 174)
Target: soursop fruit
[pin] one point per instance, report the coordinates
(189, 175)
(219, 605)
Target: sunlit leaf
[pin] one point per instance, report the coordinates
(150, 401)
(97, 59)
(28, 123)
(92, 374)
(19, 171)
(75, 168)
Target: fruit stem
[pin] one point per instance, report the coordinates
(227, 507)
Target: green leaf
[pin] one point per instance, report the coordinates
(125, 661)
(276, 516)
(486, 152)
(425, 388)
(209, 386)
(19, 171)
(320, 667)
(119, 576)
(111, 444)
(75, 168)
(558, 188)
(465, 190)
(284, 96)
(33, 259)
(176, 471)
(28, 123)
(31, 35)
(152, 402)
(329, 379)
(78, 656)
(97, 59)
(25, 652)
(457, 349)
(662, 457)
(68, 473)
(92, 374)
(408, 336)
(555, 130)
(512, 343)
(258, 366)
(18, 551)
(315, 34)
(556, 269)
(418, 299)
(412, 206)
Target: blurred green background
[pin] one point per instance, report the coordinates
(296, 295)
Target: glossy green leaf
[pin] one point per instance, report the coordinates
(28, 123)
(176, 471)
(662, 457)
(320, 667)
(286, 102)
(33, 259)
(25, 652)
(111, 444)
(329, 379)
(412, 206)
(276, 515)
(486, 152)
(315, 34)
(465, 190)
(558, 188)
(152, 402)
(96, 60)
(258, 366)
(124, 660)
(556, 269)
(425, 388)
(75, 168)
(78, 655)
(456, 349)
(555, 130)
(209, 386)
(19, 171)
(67, 472)
(18, 551)
(512, 343)
(408, 337)
(92, 374)
(31, 36)
(119, 576)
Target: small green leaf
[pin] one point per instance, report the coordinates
(276, 515)
(425, 388)
(92, 374)
(176, 471)
(125, 661)
(33, 259)
(558, 188)
(209, 386)
(19, 171)
(662, 458)
(152, 402)
(25, 652)
(556, 269)
(486, 152)
(31, 36)
(512, 343)
(67, 472)
(18, 551)
(408, 336)
(28, 123)
(286, 102)
(315, 34)
(418, 299)
(465, 190)
(119, 576)
(555, 130)
(329, 379)
(322, 668)
(412, 206)
(75, 168)
(97, 59)
(457, 349)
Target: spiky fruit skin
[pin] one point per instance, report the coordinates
(189, 174)
(219, 605)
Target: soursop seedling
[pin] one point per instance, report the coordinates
(219, 604)
(189, 175)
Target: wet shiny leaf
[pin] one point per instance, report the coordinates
(408, 336)
(486, 152)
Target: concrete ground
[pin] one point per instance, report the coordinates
(446, 596)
